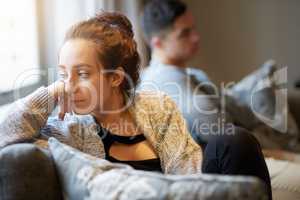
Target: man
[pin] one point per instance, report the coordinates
(170, 30)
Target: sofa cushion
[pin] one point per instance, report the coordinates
(27, 172)
(285, 176)
(90, 178)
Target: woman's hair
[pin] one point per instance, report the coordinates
(112, 34)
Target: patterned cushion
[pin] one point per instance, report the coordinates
(90, 178)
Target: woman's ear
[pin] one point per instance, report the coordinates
(117, 77)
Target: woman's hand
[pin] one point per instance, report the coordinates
(58, 91)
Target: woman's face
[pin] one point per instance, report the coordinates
(86, 84)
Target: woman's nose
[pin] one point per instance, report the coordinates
(70, 85)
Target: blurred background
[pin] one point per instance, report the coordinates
(237, 36)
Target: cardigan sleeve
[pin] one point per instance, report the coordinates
(26, 117)
(179, 152)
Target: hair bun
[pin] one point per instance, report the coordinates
(116, 20)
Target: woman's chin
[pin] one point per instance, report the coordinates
(83, 110)
(80, 112)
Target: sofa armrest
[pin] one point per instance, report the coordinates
(27, 172)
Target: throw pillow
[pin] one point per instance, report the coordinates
(259, 103)
(86, 177)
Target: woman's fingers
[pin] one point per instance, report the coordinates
(64, 103)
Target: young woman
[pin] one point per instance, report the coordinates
(101, 114)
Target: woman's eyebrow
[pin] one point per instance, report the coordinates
(83, 65)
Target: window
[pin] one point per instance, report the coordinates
(19, 59)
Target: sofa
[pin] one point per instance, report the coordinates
(30, 172)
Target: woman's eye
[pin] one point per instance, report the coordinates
(83, 74)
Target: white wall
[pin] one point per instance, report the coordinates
(55, 18)
(239, 35)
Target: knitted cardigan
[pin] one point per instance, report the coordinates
(155, 114)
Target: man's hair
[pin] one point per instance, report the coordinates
(159, 16)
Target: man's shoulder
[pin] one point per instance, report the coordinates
(161, 72)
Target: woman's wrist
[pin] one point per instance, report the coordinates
(55, 89)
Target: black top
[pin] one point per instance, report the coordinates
(108, 139)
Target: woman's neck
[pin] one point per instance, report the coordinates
(118, 120)
(112, 110)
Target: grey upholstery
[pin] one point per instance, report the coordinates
(28, 173)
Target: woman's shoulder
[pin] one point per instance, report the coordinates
(156, 108)
(148, 96)
(154, 100)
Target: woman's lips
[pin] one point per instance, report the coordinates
(78, 101)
